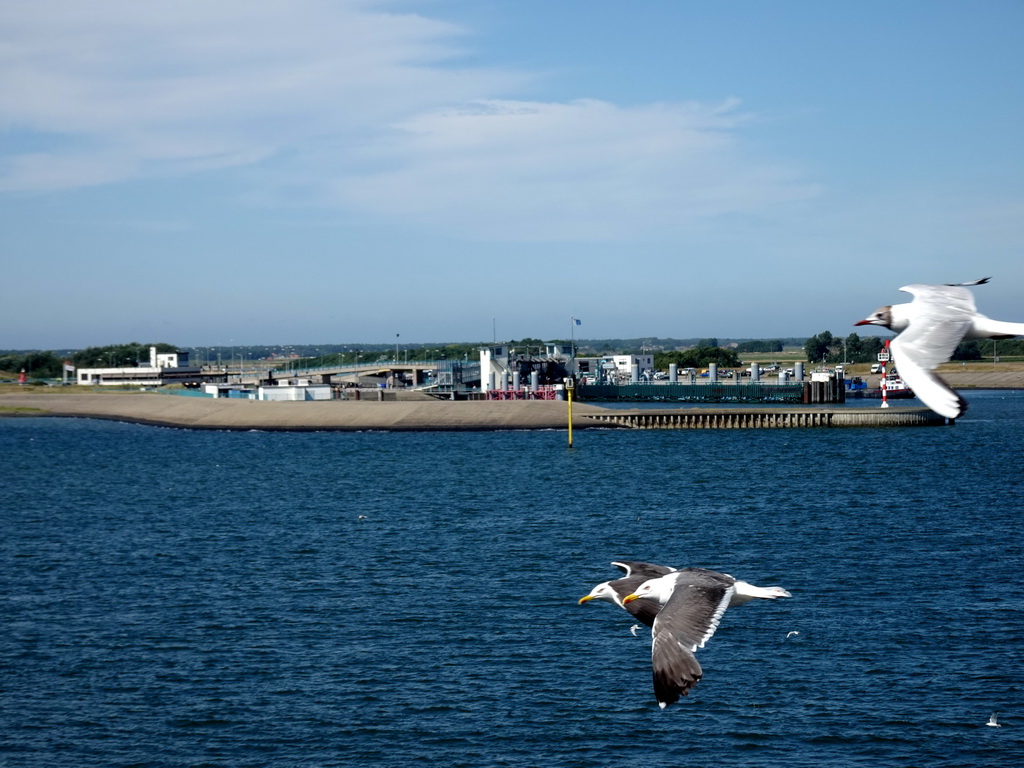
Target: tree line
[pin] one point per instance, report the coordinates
(697, 357)
(824, 347)
(49, 365)
(818, 348)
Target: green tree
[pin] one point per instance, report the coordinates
(818, 348)
(967, 350)
(119, 355)
(697, 357)
(760, 345)
(862, 349)
(36, 365)
(1001, 347)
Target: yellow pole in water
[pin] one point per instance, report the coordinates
(568, 390)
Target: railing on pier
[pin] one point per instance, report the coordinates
(831, 391)
(775, 418)
(543, 392)
(704, 393)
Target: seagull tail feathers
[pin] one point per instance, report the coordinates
(987, 328)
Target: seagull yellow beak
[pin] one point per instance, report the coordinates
(585, 598)
(630, 598)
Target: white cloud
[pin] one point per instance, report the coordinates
(140, 84)
(586, 169)
(362, 108)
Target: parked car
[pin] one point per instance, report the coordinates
(876, 367)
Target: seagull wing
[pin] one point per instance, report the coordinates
(686, 623)
(939, 318)
(643, 609)
(637, 568)
(942, 315)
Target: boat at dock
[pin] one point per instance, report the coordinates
(895, 388)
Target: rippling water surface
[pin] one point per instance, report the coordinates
(246, 599)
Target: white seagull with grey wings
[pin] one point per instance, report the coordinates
(636, 573)
(693, 601)
(930, 327)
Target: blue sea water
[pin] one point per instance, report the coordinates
(189, 598)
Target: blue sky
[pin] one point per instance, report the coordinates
(332, 171)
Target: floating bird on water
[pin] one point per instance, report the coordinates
(929, 328)
(693, 601)
(636, 574)
(993, 721)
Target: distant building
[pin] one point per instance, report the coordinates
(624, 365)
(167, 359)
(290, 390)
(503, 366)
(613, 369)
(164, 368)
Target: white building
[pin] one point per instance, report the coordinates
(167, 359)
(152, 375)
(295, 392)
(292, 390)
(500, 363)
(495, 363)
(625, 364)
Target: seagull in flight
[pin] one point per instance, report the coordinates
(693, 601)
(993, 720)
(929, 329)
(636, 573)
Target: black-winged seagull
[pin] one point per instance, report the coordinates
(693, 601)
(929, 328)
(636, 574)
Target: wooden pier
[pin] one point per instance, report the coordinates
(772, 418)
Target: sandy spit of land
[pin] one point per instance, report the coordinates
(354, 415)
(343, 415)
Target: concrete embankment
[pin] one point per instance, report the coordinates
(209, 413)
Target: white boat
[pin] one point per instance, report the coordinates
(894, 386)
